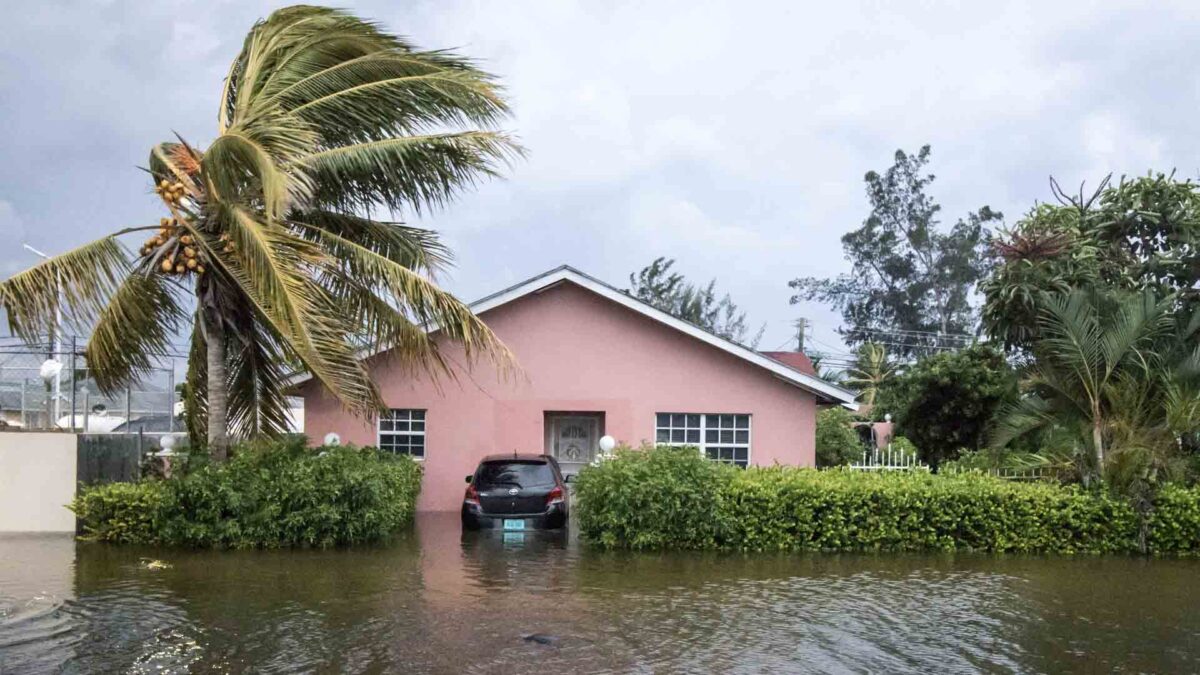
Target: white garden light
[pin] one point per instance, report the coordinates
(607, 443)
(332, 438)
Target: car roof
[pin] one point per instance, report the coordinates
(520, 457)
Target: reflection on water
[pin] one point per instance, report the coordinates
(435, 601)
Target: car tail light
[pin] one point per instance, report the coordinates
(555, 496)
(471, 496)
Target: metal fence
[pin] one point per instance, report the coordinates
(36, 394)
(888, 459)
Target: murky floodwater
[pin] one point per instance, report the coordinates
(431, 602)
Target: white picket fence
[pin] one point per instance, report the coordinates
(888, 459)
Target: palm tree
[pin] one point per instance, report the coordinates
(872, 368)
(272, 248)
(1100, 369)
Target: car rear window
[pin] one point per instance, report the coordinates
(514, 474)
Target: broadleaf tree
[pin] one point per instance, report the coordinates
(275, 245)
(911, 279)
(947, 402)
(1139, 234)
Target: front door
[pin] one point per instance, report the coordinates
(573, 440)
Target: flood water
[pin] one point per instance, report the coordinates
(434, 602)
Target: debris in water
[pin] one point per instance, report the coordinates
(150, 564)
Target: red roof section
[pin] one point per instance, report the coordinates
(794, 360)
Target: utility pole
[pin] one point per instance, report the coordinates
(801, 325)
(55, 345)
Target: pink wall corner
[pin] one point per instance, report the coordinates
(579, 352)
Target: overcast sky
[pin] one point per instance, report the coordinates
(732, 136)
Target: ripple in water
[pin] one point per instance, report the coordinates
(436, 602)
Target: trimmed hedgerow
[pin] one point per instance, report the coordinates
(267, 496)
(673, 498)
(1175, 521)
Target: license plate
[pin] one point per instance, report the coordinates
(518, 524)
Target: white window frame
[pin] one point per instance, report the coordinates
(703, 429)
(389, 417)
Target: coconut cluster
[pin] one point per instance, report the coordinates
(171, 193)
(179, 253)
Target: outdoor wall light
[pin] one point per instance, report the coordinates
(607, 443)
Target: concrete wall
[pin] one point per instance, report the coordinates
(579, 352)
(37, 481)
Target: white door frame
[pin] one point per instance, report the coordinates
(552, 421)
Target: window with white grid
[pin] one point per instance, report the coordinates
(720, 437)
(403, 432)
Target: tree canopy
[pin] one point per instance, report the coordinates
(911, 281)
(669, 291)
(276, 249)
(945, 402)
(1140, 234)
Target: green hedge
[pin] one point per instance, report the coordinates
(672, 498)
(267, 496)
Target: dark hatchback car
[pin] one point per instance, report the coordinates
(516, 493)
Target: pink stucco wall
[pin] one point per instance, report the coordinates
(579, 352)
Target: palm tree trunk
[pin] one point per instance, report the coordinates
(218, 392)
(1098, 442)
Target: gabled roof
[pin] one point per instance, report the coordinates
(827, 391)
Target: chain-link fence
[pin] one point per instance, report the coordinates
(47, 385)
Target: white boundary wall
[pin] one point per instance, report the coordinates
(37, 481)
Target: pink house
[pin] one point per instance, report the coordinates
(594, 362)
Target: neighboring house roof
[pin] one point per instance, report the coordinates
(566, 274)
(797, 360)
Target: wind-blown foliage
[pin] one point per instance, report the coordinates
(912, 281)
(669, 291)
(325, 121)
(872, 369)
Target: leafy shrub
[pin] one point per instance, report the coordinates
(671, 498)
(268, 495)
(904, 448)
(837, 442)
(123, 513)
(653, 498)
(1175, 521)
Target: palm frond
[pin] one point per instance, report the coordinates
(1139, 320)
(269, 266)
(415, 248)
(259, 366)
(78, 283)
(414, 171)
(133, 331)
(195, 390)
(1024, 416)
(240, 160)
(429, 305)
(1071, 333)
